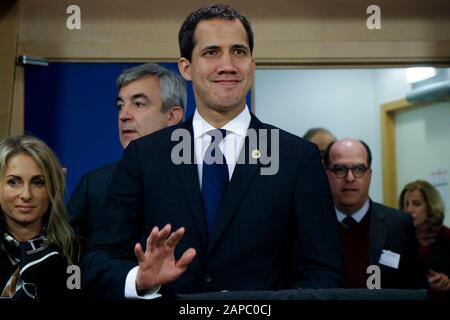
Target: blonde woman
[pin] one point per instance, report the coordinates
(36, 240)
(423, 202)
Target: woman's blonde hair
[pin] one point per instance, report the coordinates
(57, 227)
(432, 198)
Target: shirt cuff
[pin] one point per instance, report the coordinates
(130, 288)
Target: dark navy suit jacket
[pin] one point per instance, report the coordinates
(274, 231)
(393, 230)
(86, 206)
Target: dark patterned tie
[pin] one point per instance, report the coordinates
(214, 178)
(350, 222)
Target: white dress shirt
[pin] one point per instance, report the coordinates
(358, 215)
(230, 146)
(130, 288)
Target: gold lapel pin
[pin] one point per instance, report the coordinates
(256, 154)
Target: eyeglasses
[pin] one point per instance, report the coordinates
(341, 171)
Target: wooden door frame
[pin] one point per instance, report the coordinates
(388, 146)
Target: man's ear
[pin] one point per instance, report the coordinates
(184, 67)
(174, 115)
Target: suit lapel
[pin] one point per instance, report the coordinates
(378, 233)
(240, 180)
(189, 179)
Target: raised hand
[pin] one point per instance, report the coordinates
(157, 265)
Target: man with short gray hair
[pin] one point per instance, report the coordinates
(150, 98)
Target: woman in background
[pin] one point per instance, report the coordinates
(424, 203)
(36, 240)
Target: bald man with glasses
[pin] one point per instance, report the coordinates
(372, 234)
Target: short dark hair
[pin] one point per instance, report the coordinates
(326, 155)
(369, 153)
(313, 131)
(186, 39)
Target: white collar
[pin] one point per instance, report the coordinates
(239, 125)
(358, 215)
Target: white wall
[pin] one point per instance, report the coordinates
(341, 100)
(390, 85)
(423, 140)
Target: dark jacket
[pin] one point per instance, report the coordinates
(86, 206)
(274, 231)
(393, 230)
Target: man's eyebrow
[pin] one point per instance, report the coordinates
(241, 46)
(134, 97)
(212, 47)
(139, 95)
(234, 46)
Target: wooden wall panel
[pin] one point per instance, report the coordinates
(287, 31)
(9, 21)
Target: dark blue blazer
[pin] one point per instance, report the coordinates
(274, 231)
(86, 206)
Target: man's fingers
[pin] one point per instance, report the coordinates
(152, 239)
(186, 258)
(138, 252)
(162, 235)
(175, 237)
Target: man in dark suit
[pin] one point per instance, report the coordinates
(245, 220)
(150, 98)
(372, 234)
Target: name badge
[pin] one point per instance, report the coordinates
(390, 259)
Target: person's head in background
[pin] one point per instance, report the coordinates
(32, 186)
(150, 98)
(216, 45)
(348, 163)
(321, 137)
(420, 199)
